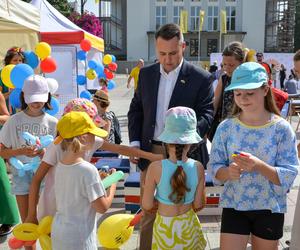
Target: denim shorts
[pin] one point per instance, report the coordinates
(21, 184)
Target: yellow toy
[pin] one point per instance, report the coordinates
(31, 232)
(115, 230)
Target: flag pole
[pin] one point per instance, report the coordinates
(199, 43)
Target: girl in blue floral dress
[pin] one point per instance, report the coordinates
(254, 155)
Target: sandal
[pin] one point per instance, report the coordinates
(5, 229)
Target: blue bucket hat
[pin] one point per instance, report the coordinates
(180, 127)
(249, 75)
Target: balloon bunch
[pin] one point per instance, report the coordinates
(13, 76)
(115, 230)
(40, 143)
(27, 233)
(96, 69)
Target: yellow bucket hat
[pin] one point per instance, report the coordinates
(77, 123)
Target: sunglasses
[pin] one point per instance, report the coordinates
(17, 50)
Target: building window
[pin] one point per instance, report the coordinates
(159, 1)
(195, 13)
(230, 15)
(213, 18)
(212, 46)
(176, 14)
(194, 47)
(196, 0)
(161, 15)
(230, 1)
(178, 0)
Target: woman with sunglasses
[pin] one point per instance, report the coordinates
(101, 100)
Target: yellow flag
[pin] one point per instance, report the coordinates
(184, 21)
(201, 19)
(97, 1)
(223, 23)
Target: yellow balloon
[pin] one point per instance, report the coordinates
(26, 232)
(114, 231)
(45, 242)
(44, 226)
(5, 75)
(42, 50)
(91, 74)
(107, 59)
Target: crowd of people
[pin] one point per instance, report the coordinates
(174, 110)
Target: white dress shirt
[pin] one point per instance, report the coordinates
(165, 89)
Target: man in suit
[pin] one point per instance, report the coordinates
(171, 82)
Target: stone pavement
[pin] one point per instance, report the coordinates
(120, 100)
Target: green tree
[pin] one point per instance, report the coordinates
(297, 26)
(63, 6)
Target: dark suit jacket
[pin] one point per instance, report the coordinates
(193, 89)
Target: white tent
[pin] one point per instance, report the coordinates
(19, 25)
(64, 37)
(57, 29)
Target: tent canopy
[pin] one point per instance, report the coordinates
(19, 25)
(57, 29)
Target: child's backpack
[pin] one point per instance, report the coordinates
(117, 129)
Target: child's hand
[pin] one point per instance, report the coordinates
(30, 151)
(247, 161)
(234, 171)
(102, 174)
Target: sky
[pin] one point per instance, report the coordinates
(90, 6)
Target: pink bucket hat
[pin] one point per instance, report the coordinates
(84, 105)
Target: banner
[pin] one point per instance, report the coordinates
(184, 21)
(201, 19)
(223, 23)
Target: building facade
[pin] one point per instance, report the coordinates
(245, 22)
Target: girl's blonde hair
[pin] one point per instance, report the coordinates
(269, 104)
(72, 144)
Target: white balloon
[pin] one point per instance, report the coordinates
(52, 85)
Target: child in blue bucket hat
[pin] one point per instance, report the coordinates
(177, 183)
(254, 155)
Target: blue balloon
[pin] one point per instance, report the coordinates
(55, 106)
(81, 79)
(92, 64)
(100, 69)
(14, 98)
(81, 55)
(113, 58)
(101, 75)
(19, 73)
(111, 85)
(31, 59)
(46, 140)
(18, 165)
(85, 94)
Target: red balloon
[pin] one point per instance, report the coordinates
(29, 243)
(113, 66)
(14, 243)
(136, 219)
(109, 75)
(85, 45)
(48, 65)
